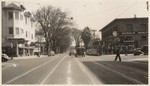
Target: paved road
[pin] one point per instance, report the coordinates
(65, 69)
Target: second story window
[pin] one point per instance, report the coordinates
(21, 17)
(22, 31)
(32, 36)
(10, 15)
(17, 30)
(11, 31)
(17, 15)
(143, 38)
(31, 24)
(26, 20)
(129, 27)
(142, 27)
(26, 34)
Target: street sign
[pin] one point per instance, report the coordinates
(115, 33)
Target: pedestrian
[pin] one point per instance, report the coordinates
(118, 54)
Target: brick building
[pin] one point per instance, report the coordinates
(131, 32)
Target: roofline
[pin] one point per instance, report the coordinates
(122, 19)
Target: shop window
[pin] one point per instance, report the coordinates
(128, 38)
(11, 30)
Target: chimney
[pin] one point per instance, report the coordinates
(3, 4)
(134, 15)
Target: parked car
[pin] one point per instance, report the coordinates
(5, 57)
(145, 49)
(137, 51)
(93, 52)
(52, 53)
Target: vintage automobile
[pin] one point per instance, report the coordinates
(72, 52)
(80, 51)
(137, 51)
(5, 57)
(145, 49)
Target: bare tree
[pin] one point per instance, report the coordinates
(53, 24)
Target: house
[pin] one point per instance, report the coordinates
(18, 30)
(129, 32)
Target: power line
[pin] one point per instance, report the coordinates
(126, 9)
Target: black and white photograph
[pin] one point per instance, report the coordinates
(74, 42)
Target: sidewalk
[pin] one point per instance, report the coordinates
(29, 57)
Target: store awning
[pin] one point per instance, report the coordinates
(19, 40)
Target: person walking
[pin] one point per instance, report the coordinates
(118, 54)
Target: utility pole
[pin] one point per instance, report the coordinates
(147, 3)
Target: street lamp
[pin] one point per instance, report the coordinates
(11, 45)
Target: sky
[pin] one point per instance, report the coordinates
(92, 13)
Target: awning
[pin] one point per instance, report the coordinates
(19, 40)
(27, 47)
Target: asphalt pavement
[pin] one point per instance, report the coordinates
(65, 69)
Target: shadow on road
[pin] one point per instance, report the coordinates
(115, 72)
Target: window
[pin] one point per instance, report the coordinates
(11, 30)
(26, 34)
(10, 15)
(31, 24)
(17, 30)
(16, 15)
(21, 17)
(26, 20)
(142, 27)
(32, 36)
(143, 38)
(128, 38)
(129, 27)
(22, 31)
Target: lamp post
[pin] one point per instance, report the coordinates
(11, 45)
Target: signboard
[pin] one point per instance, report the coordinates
(115, 33)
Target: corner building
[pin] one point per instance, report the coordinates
(18, 30)
(131, 32)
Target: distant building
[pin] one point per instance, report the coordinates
(18, 30)
(94, 47)
(130, 32)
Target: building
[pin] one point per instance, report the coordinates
(94, 47)
(18, 30)
(129, 32)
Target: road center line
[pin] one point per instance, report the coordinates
(69, 68)
(69, 65)
(28, 71)
(118, 73)
(93, 79)
(52, 70)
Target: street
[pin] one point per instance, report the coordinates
(65, 69)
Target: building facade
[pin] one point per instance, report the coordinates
(18, 30)
(128, 32)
